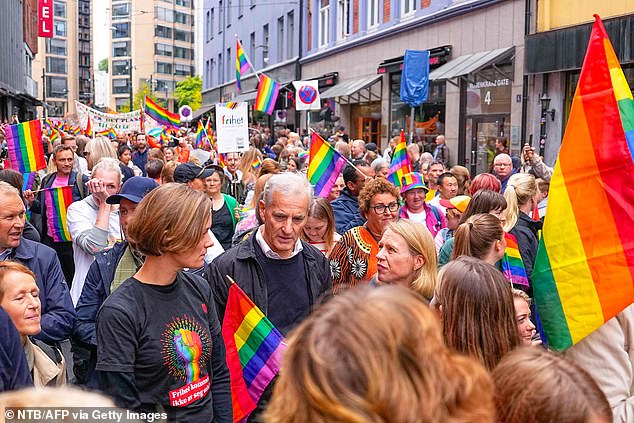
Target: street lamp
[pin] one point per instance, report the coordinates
(545, 104)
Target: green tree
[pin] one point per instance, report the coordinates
(189, 91)
(139, 97)
(103, 64)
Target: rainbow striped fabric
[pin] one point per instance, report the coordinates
(254, 350)
(88, 131)
(161, 115)
(242, 64)
(221, 160)
(324, 165)
(583, 271)
(28, 180)
(24, 142)
(512, 263)
(400, 165)
(257, 163)
(200, 134)
(268, 91)
(57, 201)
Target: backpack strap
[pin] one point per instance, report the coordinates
(436, 213)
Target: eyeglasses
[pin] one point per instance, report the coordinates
(380, 208)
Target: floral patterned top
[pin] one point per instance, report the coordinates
(353, 258)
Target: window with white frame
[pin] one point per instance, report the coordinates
(408, 7)
(324, 22)
(343, 19)
(373, 12)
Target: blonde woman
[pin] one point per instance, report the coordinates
(97, 149)
(522, 197)
(407, 257)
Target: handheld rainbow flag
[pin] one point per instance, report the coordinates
(57, 201)
(24, 142)
(242, 64)
(88, 131)
(324, 165)
(28, 180)
(400, 165)
(209, 134)
(583, 271)
(221, 160)
(268, 91)
(200, 134)
(161, 115)
(512, 264)
(254, 350)
(103, 133)
(112, 133)
(257, 163)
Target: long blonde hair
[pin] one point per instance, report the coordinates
(520, 189)
(246, 163)
(420, 242)
(377, 355)
(97, 149)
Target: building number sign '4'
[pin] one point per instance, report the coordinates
(487, 97)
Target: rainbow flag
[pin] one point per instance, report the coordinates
(221, 160)
(112, 133)
(24, 142)
(583, 271)
(54, 135)
(512, 263)
(103, 133)
(28, 180)
(268, 91)
(209, 133)
(161, 115)
(57, 201)
(325, 165)
(76, 130)
(88, 130)
(257, 163)
(242, 64)
(200, 134)
(400, 165)
(254, 350)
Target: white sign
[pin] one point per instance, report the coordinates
(99, 121)
(186, 113)
(307, 95)
(232, 127)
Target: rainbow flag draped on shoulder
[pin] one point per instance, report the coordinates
(161, 115)
(400, 165)
(254, 350)
(583, 271)
(24, 142)
(57, 201)
(324, 165)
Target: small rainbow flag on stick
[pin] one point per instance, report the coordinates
(254, 350)
(161, 115)
(512, 264)
(88, 130)
(24, 142)
(242, 64)
(325, 165)
(583, 270)
(400, 165)
(200, 134)
(57, 201)
(268, 91)
(257, 163)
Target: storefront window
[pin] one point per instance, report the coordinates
(429, 117)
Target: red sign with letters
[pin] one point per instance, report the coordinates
(45, 18)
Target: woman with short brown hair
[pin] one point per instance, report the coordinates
(158, 334)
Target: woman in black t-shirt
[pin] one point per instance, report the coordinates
(159, 343)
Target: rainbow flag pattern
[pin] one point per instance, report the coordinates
(242, 64)
(400, 165)
(583, 271)
(24, 142)
(28, 180)
(512, 263)
(200, 134)
(54, 135)
(221, 160)
(112, 133)
(257, 163)
(325, 165)
(57, 201)
(88, 131)
(254, 350)
(161, 115)
(268, 91)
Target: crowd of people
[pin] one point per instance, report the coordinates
(395, 301)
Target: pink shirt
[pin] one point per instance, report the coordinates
(60, 181)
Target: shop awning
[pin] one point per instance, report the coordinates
(248, 96)
(202, 110)
(362, 90)
(470, 63)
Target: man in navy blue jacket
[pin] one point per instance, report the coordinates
(346, 206)
(58, 313)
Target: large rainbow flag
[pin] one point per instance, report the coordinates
(400, 165)
(242, 64)
(268, 91)
(161, 115)
(585, 262)
(24, 142)
(324, 165)
(57, 201)
(254, 350)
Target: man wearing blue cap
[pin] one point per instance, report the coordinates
(107, 272)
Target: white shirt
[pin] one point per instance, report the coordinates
(420, 217)
(80, 217)
(215, 250)
(272, 254)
